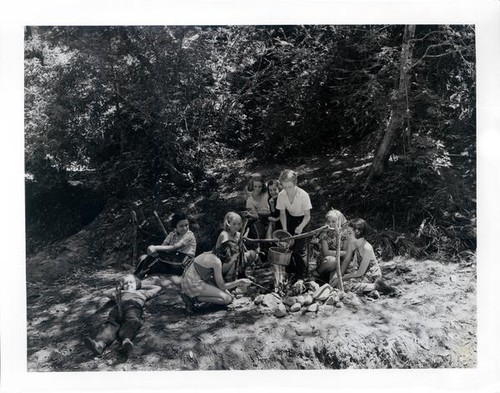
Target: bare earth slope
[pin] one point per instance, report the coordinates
(431, 324)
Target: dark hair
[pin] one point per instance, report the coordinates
(271, 183)
(138, 282)
(256, 177)
(179, 216)
(360, 225)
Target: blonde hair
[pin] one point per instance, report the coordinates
(288, 175)
(228, 219)
(337, 213)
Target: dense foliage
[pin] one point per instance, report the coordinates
(137, 112)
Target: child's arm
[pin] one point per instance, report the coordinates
(110, 293)
(171, 247)
(305, 221)
(361, 270)
(221, 239)
(347, 258)
(251, 210)
(151, 290)
(165, 246)
(327, 252)
(283, 219)
(367, 256)
(237, 283)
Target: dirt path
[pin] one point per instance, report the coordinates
(432, 324)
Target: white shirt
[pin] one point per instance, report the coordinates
(300, 203)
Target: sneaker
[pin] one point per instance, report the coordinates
(189, 303)
(127, 345)
(96, 347)
(374, 294)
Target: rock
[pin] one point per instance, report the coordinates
(341, 295)
(259, 299)
(330, 301)
(295, 307)
(308, 300)
(271, 301)
(339, 304)
(323, 292)
(324, 295)
(352, 299)
(301, 299)
(289, 301)
(298, 287)
(312, 285)
(313, 307)
(280, 311)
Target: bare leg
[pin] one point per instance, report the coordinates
(211, 294)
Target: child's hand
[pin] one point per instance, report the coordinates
(298, 230)
(151, 250)
(245, 282)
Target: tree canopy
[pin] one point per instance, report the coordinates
(146, 110)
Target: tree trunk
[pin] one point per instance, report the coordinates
(398, 107)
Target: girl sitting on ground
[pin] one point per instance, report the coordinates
(360, 265)
(227, 247)
(202, 281)
(178, 247)
(328, 240)
(125, 319)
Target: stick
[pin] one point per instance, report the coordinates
(337, 257)
(301, 236)
(240, 263)
(160, 223)
(266, 289)
(134, 240)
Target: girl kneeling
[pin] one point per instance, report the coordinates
(202, 281)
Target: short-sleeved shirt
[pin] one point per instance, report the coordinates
(259, 204)
(188, 241)
(299, 205)
(139, 296)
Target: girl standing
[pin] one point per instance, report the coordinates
(257, 207)
(295, 207)
(273, 189)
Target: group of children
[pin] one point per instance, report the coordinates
(208, 277)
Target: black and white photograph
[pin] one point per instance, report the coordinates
(272, 196)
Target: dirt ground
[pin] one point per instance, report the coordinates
(431, 324)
